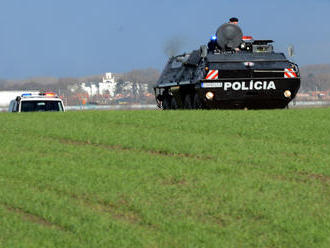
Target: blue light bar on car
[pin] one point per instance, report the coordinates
(26, 94)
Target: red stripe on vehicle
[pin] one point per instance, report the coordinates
(216, 76)
(210, 74)
(213, 74)
(289, 73)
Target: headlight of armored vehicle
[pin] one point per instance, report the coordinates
(287, 93)
(209, 95)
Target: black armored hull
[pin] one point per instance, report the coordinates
(262, 93)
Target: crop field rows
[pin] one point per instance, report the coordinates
(165, 179)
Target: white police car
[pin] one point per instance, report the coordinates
(30, 102)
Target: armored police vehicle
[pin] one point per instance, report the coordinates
(233, 71)
(40, 102)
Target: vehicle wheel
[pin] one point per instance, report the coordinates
(166, 103)
(174, 104)
(197, 104)
(187, 102)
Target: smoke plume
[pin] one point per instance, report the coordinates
(174, 45)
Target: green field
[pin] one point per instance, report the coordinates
(165, 179)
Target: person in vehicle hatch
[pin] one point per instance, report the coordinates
(233, 20)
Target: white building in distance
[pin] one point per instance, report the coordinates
(91, 88)
(107, 86)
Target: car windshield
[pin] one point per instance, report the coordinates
(31, 106)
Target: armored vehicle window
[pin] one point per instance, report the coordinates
(262, 48)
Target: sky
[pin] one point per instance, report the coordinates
(72, 38)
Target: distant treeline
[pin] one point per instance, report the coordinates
(314, 78)
(148, 76)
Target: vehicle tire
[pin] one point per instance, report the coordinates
(166, 104)
(197, 104)
(187, 102)
(174, 104)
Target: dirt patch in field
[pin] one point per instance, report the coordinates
(320, 177)
(174, 181)
(121, 148)
(33, 218)
(120, 210)
(304, 177)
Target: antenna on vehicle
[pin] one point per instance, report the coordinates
(291, 51)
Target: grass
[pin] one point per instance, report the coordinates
(165, 179)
